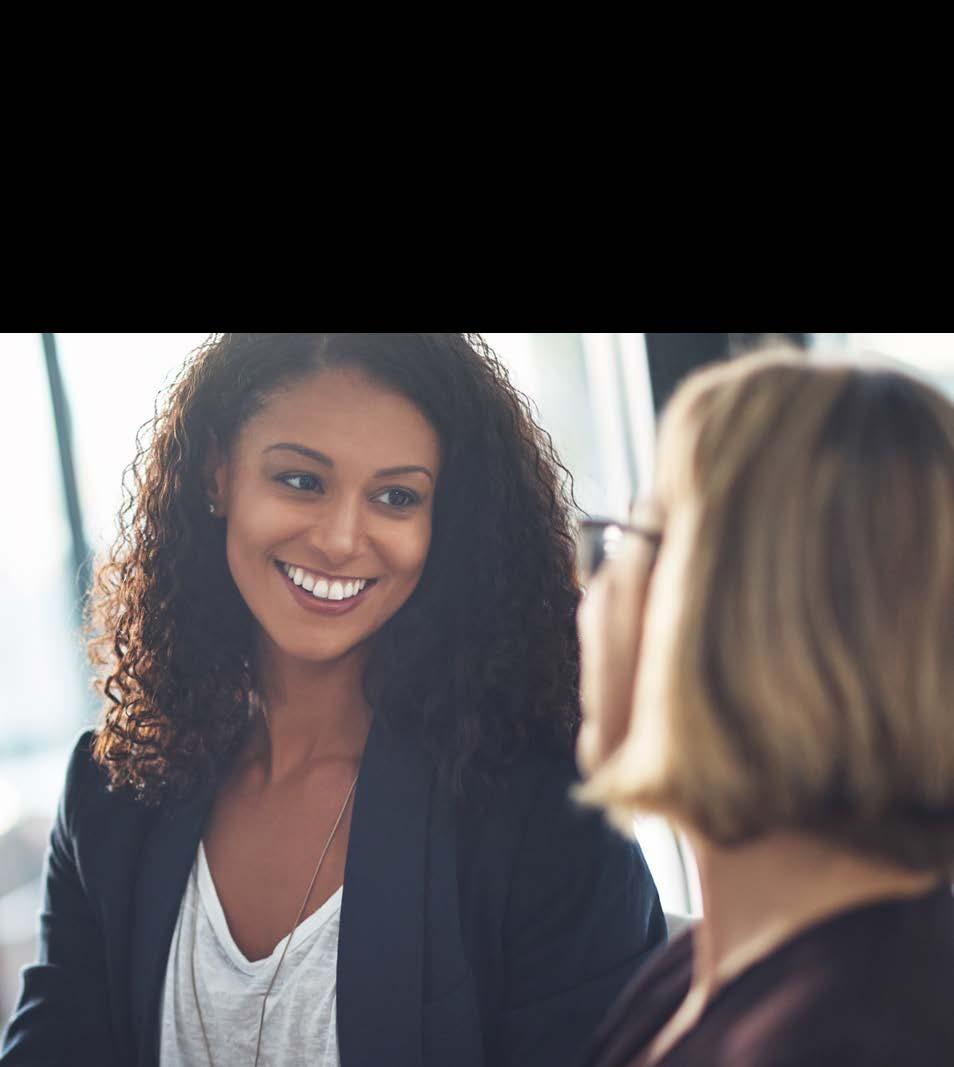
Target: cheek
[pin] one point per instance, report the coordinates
(606, 669)
(252, 532)
(589, 625)
(590, 742)
(239, 557)
(588, 747)
(407, 554)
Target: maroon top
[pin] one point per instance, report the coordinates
(873, 986)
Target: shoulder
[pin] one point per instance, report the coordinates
(873, 985)
(892, 971)
(89, 811)
(578, 910)
(549, 843)
(85, 780)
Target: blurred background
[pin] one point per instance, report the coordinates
(75, 402)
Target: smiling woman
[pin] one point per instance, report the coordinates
(325, 818)
(311, 499)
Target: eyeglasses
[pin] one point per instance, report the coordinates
(601, 539)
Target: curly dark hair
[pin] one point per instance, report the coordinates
(481, 663)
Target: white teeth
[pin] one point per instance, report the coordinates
(336, 589)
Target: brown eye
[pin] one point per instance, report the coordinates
(397, 498)
(305, 483)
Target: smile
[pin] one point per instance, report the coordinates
(324, 587)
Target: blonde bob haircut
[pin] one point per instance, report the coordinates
(797, 659)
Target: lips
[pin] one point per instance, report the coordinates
(328, 594)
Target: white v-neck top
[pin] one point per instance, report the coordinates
(300, 1018)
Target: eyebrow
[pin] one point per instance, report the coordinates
(320, 457)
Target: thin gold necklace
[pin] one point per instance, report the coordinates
(301, 911)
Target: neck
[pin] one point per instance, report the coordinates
(309, 712)
(758, 895)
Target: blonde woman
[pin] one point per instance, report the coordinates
(782, 614)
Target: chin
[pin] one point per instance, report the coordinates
(320, 655)
(324, 651)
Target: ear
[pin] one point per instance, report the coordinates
(215, 476)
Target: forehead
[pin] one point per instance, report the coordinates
(349, 417)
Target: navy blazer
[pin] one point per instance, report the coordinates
(469, 936)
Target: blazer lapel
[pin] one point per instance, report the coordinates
(380, 941)
(381, 936)
(167, 857)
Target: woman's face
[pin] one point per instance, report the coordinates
(327, 495)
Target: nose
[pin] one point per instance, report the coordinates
(340, 534)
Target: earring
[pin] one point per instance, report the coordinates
(211, 508)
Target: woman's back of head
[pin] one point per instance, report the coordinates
(796, 664)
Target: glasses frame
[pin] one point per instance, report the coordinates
(587, 542)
